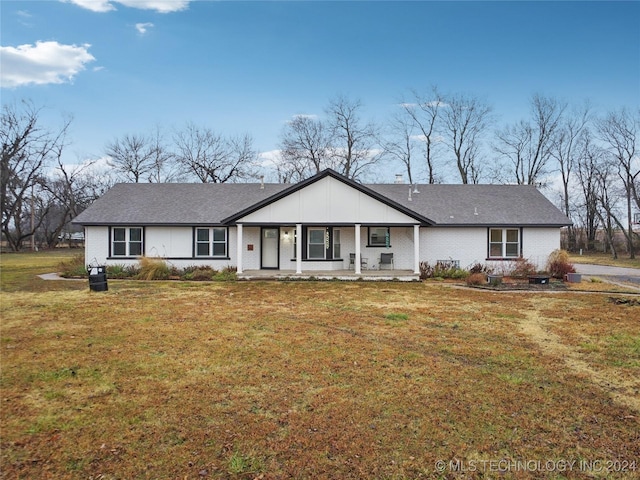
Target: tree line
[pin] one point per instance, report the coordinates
(432, 136)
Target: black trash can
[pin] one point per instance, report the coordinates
(98, 279)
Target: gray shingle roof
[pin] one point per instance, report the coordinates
(494, 205)
(210, 204)
(174, 203)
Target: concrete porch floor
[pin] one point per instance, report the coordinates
(348, 275)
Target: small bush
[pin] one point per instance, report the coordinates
(449, 270)
(426, 270)
(74, 267)
(153, 269)
(480, 268)
(558, 264)
(476, 279)
(203, 273)
(522, 268)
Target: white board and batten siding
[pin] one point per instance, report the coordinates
(469, 245)
(327, 201)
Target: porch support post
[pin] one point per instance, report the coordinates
(239, 247)
(298, 248)
(357, 263)
(416, 249)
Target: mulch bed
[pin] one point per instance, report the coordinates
(523, 284)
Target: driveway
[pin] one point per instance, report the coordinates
(616, 274)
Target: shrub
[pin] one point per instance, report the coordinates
(476, 278)
(153, 269)
(74, 267)
(480, 268)
(203, 273)
(426, 270)
(449, 270)
(558, 264)
(522, 268)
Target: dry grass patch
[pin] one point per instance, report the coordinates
(297, 380)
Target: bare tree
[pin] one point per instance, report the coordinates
(27, 148)
(465, 119)
(608, 200)
(423, 110)
(400, 145)
(164, 168)
(588, 173)
(528, 143)
(213, 159)
(305, 147)
(354, 142)
(565, 149)
(67, 191)
(133, 156)
(619, 131)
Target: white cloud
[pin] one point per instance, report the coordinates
(162, 6)
(93, 5)
(143, 27)
(42, 63)
(270, 158)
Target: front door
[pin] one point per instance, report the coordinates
(269, 246)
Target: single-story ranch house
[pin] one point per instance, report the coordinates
(322, 224)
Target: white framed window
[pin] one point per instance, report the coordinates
(316, 243)
(126, 241)
(504, 243)
(211, 242)
(379, 237)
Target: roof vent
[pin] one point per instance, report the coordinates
(261, 182)
(415, 188)
(399, 180)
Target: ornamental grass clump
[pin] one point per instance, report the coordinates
(74, 267)
(476, 279)
(558, 264)
(153, 269)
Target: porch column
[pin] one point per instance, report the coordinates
(357, 263)
(239, 247)
(298, 248)
(416, 249)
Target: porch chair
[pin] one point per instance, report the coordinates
(386, 260)
(352, 262)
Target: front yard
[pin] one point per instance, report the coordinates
(314, 380)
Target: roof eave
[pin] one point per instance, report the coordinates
(319, 176)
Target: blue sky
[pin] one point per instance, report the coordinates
(248, 67)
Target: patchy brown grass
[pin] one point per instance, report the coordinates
(314, 380)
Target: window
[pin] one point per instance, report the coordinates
(126, 242)
(336, 243)
(316, 246)
(211, 242)
(379, 237)
(504, 243)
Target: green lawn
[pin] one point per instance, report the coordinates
(313, 380)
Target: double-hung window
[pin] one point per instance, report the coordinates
(211, 242)
(379, 237)
(316, 243)
(504, 243)
(126, 241)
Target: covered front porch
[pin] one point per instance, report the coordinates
(345, 275)
(304, 250)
